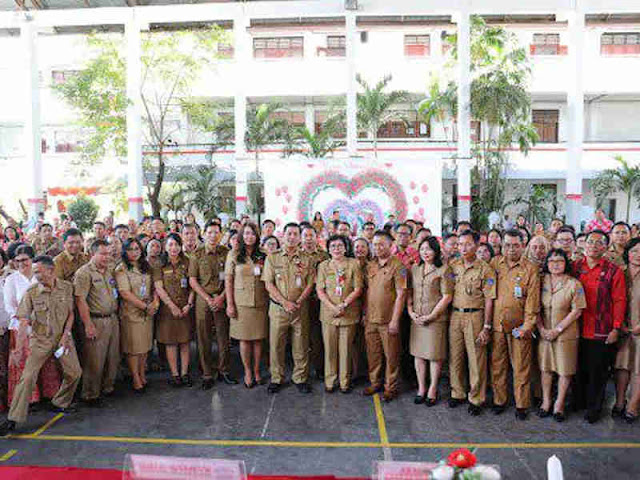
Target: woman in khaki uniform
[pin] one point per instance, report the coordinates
(138, 305)
(430, 296)
(339, 285)
(631, 257)
(562, 303)
(174, 320)
(247, 301)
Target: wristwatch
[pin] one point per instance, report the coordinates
(559, 329)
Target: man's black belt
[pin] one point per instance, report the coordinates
(101, 315)
(467, 310)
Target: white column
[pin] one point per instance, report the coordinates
(310, 117)
(575, 104)
(464, 115)
(134, 118)
(352, 86)
(32, 132)
(242, 52)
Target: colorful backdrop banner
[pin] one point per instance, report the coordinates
(360, 189)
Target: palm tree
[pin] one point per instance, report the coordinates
(375, 106)
(263, 128)
(540, 204)
(201, 190)
(625, 178)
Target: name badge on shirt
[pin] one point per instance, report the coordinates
(256, 270)
(184, 283)
(298, 281)
(221, 276)
(114, 292)
(338, 291)
(517, 291)
(143, 290)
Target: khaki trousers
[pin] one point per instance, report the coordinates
(338, 342)
(381, 346)
(206, 321)
(517, 352)
(41, 349)
(280, 322)
(463, 331)
(100, 358)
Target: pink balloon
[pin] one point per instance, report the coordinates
(412, 185)
(277, 192)
(416, 200)
(425, 189)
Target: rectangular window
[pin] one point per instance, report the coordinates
(547, 44)
(321, 118)
(336, 46)
(406, 125)
(225, 50)
(295, 119)
(546, 123)
(417, 45)
(620, 43)
(278, 47)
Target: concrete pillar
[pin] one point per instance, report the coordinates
(32, 131)
(134, 118)
(242, 49)
(352, 85)
(464, 114)
(575, 104)
(310, 117)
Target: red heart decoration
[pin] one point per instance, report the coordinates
(413, 185)
(277, 192)
(425, 189)
(416, 200)
(421, 211)
(285, 209)
(288, 198)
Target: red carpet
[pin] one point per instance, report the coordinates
(72, 473)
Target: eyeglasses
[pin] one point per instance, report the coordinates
(22, 260)
(595, 243)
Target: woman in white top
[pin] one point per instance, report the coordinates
(15, 287)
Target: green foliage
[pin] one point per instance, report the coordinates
(625, 178)
(317, 145)
(500, 101)
(84, 211)
(540, 204)
(263, 128)
(201, 190)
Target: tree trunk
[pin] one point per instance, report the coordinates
(154, 196)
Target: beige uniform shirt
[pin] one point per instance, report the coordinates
(382, 282)
(290, 273)
(429, 287)
(633, 297)
(66, 266)
(207, 267)
(138, 283)
(518, 294)
(98, 289)
(50, 247)
(248, 288)
(175, 280)
(48, 308)
(338, 284)
(472, 284)
(559, 302)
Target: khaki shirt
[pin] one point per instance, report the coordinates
(66, 266)
(207, 267)
(633, 297)
(558, 303)
(290, 273)
(175, 280)
(338, 284)
(317, 257)
(518, 294)
(138, 283)
(429, 287)
(98, 289)
(248, 288)
(48, 308)
(473, 284)
(613, 256)
(382, 282)
(51, 247)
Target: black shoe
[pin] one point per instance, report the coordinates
(592, 417)
(419, 399)
(186, 380)
(207, 383)
(455, 402)
(139, 391)
(521, 413)
(629, 417)
(474, 410)
(227, 378)
(431, 402)
(347, 390)
(319, 375)
(274, 387)
(109, 394)
(7, 427)
(303, 387)
(542, 413)
(330, 389)
(559, 417)
(94, 403)
(618, 412)
(498, 409)
(70, 409)
(175, 381)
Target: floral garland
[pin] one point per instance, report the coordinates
(351, 187)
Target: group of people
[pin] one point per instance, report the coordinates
(393, 302)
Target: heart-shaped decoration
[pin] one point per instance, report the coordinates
(278, 192)
(285, 189)
(412, 185)
(356, 212)
(285, 209)
(288, 198)
(425, 188)
(416, 200)
(421, 211)
(350, 187)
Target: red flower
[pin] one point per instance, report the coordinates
(461, 458)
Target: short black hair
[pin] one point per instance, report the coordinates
(448, 236)
(304, 224)
(514, 233)
(72, 232)
(120, 226)
(51, 227)
(470, 233)
(384, 234)
(25, 249)
(614, 225)
(630, 244)
(423, 230)
(463, 222)
(266, 239)
(341, 239)
(488, 246)
(557, 252)
(292, 225)
(268, 221)
(405, 224)
(525, 230)
(211, 223)
(565, 229)
(45, 260)
(96, 244)
(98, 222)
(366, 224)
(599, 232)
(496, 231)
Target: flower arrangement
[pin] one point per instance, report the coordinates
(461, 464)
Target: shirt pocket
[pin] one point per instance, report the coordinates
(40, 311)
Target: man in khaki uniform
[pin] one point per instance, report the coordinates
(72, 258)
(47, 306)
(289, 277)
(189, 239)
(620, 236)
(97, 302)
(387, 282)
(515, 314)
(45, 243)
(206, 277)
(316, 257)
(471, 323)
